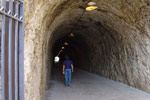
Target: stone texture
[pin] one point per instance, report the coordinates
(117, 37)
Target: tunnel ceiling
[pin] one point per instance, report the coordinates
(114, 14)
(112, 34)
(115, 36)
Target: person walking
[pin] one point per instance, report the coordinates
(67, 69)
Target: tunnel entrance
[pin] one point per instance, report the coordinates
(99, 46)
(111, 41)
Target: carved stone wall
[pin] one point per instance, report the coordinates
(117, 36)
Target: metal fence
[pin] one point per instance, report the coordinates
(12, 46)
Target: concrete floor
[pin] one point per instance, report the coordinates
(87, 86)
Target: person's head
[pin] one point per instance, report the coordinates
(66, 57)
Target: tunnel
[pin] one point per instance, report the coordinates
(72, 46)
(112, 41)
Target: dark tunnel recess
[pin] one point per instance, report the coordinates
(74, 46)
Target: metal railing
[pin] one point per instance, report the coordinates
(12, 49)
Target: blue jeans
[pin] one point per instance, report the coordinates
(67, 76)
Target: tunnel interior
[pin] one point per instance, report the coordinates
(95, 47)
(98, 47)
(111, 41)
(72, 45)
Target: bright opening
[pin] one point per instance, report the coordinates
(56, 59)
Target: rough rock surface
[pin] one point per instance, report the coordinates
(117, 37)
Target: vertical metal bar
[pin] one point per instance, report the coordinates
(3, 53)
(21, 54)
(16, 52)
(10, 52)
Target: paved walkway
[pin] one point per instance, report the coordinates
(87, 86)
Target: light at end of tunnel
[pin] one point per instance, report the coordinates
(66, 43)
(56, 59)
(90, 8)
(71, 35)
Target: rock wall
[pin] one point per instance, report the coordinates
(117, 35)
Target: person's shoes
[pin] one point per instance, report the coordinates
(66, 86)
(69, 84)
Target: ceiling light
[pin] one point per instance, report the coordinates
(56, 59)
(71, 35)
(63, 47)
(91, 4)
(90, 8)
(66, 43)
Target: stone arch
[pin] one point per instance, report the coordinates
(117, 33)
